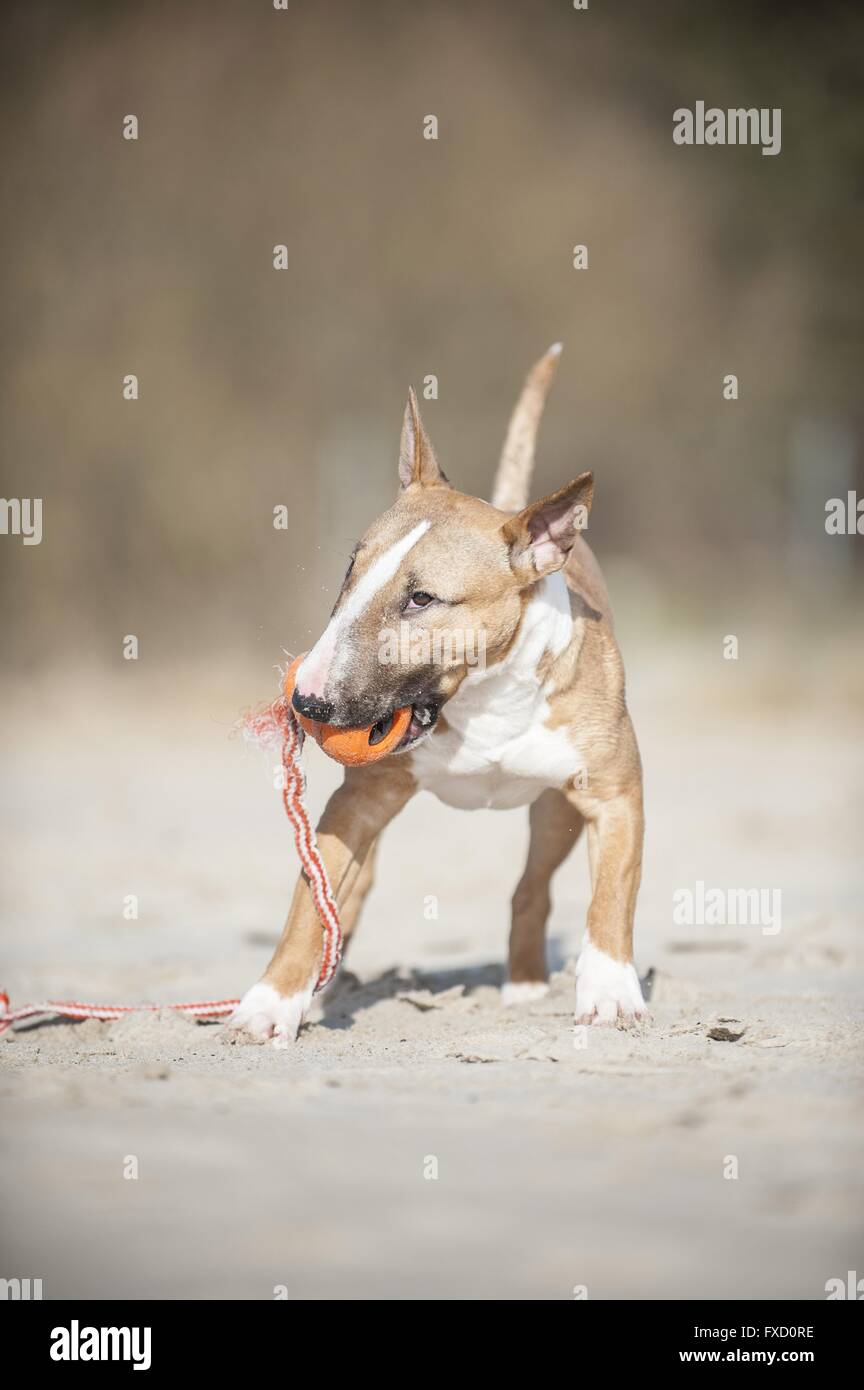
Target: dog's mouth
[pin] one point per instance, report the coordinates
(423, 717)
(424, 714)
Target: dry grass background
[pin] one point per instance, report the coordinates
(410, 257)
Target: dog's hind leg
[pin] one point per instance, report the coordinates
(353, 818)
(556, 825)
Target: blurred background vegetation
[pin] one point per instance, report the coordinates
(409, 257)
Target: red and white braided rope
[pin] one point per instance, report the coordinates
(279, 717)
(293, 799)
(74, 1008)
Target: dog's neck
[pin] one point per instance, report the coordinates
(512, 685)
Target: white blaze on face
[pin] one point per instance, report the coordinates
(315, 671)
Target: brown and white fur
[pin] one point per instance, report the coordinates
(543, 723)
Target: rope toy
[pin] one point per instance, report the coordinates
(65, 1008)
(276, 722)
(350, 746)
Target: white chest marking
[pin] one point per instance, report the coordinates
(496, 751)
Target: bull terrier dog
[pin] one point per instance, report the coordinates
(542, 722)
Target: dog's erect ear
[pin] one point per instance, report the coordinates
(417, 461)
(541, 537)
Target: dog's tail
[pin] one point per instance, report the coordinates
(517, 457)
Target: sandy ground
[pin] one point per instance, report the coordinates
(558, 1165)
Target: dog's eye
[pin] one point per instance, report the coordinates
(420, 600)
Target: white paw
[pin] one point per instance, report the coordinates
(607, 991)
(522, 992)
(263, 1014)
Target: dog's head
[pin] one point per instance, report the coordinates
(436, 587)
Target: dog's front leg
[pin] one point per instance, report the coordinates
(607, 986)
(354, 816)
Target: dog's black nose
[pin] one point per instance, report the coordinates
(312, 707)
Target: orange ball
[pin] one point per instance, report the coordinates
(349, 746)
